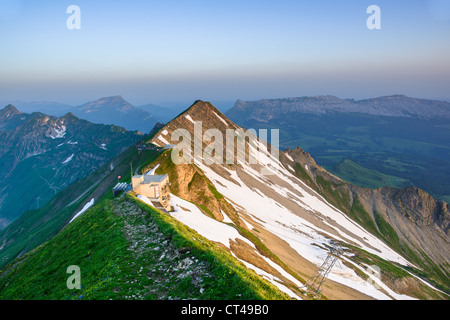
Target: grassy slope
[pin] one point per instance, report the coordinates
(37, 226)
(96, 243)
(232, 277)
(350, 171)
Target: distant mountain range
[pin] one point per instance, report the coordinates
(108, 110)
(41, 155)
(47, 107)
(111, 110)
(161, 114)
(406, 140)
(115, 110)
(389, 106)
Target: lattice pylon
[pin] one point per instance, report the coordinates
(315, 283)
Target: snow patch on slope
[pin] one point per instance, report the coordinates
(211, 229)
(161, 138)
(68, 159)
(189, 118)
(226, 218)
(85, 208)
(145, 200)
(289, 157)
(221, 119)
(274, 280)
(152, 172)
(58, 132)
(303, 236)
(216, 231)
(283, 221)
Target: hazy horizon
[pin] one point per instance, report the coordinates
(178, 51)
(174, 105)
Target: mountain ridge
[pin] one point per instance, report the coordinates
(354, 209)
(50, 153)
(10, 109)
(420, 221)
(404, 139)
(281, 225)
(392, 106)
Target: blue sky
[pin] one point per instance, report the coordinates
(166, 51)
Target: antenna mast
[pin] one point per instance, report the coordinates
(131, 166)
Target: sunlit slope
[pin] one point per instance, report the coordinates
(127, 250)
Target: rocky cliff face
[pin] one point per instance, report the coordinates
(421, 208)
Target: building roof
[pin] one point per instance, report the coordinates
(121, 186)
(149, 179)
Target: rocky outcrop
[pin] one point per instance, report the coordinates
(170, 264)
(420, 207)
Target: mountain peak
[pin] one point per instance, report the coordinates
(116, 110)
(202, 111)
(399, 96)
(11, 109)
(113, 102)
(199, 111)
(70, 115)
(10, 118)
(118, 98)
(207, 113)
(204, 105)
(327, 97)
(198, 103)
